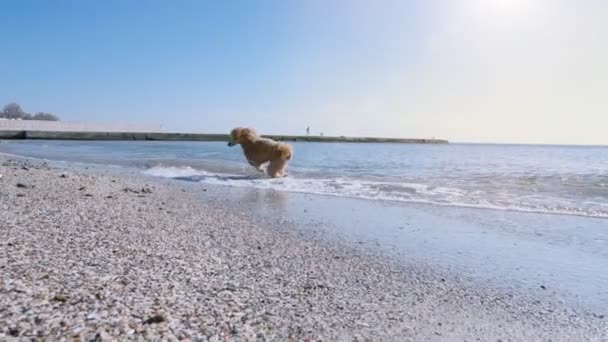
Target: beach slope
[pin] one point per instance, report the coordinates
(88, 255)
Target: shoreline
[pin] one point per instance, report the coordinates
(91, 164)
(149, 258)
(157, 136)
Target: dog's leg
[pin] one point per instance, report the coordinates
(257, 166)
(276, 168)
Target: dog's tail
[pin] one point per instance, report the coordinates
(283, 151)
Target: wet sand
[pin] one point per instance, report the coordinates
(87, 254)
(548, 257)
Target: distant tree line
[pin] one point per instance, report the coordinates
(13, 111)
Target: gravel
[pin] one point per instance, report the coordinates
(95, 257)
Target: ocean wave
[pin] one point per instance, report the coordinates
(460, 193)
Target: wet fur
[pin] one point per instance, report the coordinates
(260, 150)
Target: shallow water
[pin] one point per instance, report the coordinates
(571, 180)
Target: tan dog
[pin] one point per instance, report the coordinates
(260, 150)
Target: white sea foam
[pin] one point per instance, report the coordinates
(174, 171)
(390, 191)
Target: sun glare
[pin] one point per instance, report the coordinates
(507, 5)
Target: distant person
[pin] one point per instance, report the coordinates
(308, 130)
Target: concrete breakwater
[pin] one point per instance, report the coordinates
(73, 135)
(52, 126)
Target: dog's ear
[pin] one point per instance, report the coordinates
(240, 133)
(236, 133)
(283, 151)
(248, 132)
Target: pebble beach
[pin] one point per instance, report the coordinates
(96, 257)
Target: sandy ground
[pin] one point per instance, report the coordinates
(99, 257)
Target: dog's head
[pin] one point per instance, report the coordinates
(241, 134)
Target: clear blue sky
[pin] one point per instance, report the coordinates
(466, 70)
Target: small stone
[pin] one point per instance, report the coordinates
(63, 175)
(59, 298)
(13, 332)
(155, 319)
(21, 185)
(88, 195)
(81, 188)
(356, 338)
(543, 287)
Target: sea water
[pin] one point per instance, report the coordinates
(570, 180)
